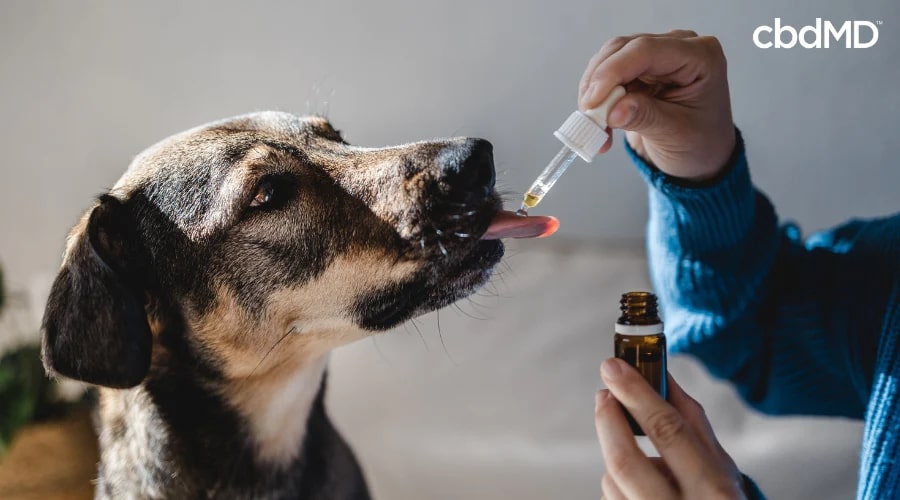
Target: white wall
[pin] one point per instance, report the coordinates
(86, 85)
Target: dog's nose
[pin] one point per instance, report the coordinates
(473, 172)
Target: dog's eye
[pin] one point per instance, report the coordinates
(263, 194)
(272, 193)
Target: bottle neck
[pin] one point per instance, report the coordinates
(640, 314)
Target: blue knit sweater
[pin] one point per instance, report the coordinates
(799, 327)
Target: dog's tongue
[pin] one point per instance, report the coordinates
(507, 224)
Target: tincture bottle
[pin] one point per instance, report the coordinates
(640, 341)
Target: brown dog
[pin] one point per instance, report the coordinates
(205, 290)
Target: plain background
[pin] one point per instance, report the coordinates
(84, 86)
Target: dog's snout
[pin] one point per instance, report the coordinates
(474, 171)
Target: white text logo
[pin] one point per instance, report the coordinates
(856, 34)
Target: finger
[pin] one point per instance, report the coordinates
(682, 34)
(612, 46)
(609, 48)
(608, 144)
(610, 490)
(643, 114)
(664, 470)
(667, 429)
(634, 112)
(693, 413)
(622, 113)
(679, 60)
(632, 471)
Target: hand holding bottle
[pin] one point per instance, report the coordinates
(692, 463)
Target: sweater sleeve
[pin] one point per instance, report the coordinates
(792, 324)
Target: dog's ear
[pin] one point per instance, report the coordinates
(95, 327)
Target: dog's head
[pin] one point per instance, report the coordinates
(265, 227)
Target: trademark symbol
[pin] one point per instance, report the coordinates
(879, 22)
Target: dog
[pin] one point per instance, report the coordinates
(203, 293)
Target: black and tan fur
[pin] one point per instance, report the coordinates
(204, 292)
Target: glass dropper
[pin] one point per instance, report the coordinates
(583, 134)
(547, 179)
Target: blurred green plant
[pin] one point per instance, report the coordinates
(26, 393)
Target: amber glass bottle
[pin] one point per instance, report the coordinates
(640, 341)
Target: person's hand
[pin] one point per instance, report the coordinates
(677, 112)
(692, 464)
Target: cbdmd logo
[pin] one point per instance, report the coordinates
(856, 35)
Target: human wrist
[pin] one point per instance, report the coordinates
(705, 177)
(702, 167)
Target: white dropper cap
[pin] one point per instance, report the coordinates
(584, 132)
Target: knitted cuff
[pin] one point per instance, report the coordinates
(709, 216)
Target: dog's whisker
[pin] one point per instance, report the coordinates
(421, 337)
(505, 268)
(475, 303)
(467, 314)
(496, 287)
(378, 348)
(443, 250)
(327, 104)
(479, 307)
(488, 290)
(441, 337)
(266, 355)
(318, 99)
(462, 235)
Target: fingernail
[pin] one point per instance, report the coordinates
(611, 369)
(621, 116)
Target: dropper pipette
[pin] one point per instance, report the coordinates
(582, 134)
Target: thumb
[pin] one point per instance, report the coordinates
(636, 112)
